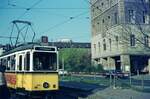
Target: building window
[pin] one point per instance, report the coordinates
(115, 18)
(95, 47)
(132, 40)
(104, 45)
(145, 17)
(117, 41)
(116, 38)
(131, 16)
(99, 46)
(108, 4)
(110, 44)
(103, 21)
(146, 40)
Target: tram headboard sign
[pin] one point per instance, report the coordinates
(45, 48)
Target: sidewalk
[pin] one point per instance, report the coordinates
(110, 93)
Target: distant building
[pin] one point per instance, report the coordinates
(65, 40)
(70, 44)
(121, 34)
(65, 43)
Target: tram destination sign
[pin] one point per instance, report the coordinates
(45, 48)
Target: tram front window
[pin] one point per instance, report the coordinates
(44, 61)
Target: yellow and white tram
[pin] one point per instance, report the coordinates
(31, 68)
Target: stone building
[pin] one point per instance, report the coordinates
(121, 34)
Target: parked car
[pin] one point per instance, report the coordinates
(63, 72)
(115, 73)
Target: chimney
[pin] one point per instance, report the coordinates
(44, 40)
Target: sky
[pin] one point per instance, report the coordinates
(57, 19)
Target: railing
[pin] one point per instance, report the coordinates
(130, 88)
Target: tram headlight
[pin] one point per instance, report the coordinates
(46, 85)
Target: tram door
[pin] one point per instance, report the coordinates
(20, 69)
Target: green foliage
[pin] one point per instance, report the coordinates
(99, 68)
(78, 60)
(75, 59)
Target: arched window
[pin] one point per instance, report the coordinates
(110, 43)
(132, 40)
(146, 40)
(104, 45)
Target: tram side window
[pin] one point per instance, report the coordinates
(1, 62)
(4, 62)
(8, 64)
(13, 62)
(27, 61)
(20, 62)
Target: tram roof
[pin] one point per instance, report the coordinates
(21, 48)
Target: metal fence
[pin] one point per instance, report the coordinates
(129, 88)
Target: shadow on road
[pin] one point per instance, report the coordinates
(74, 90)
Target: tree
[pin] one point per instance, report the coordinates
(75, 59)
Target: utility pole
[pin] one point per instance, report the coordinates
(63, 66)
(63, 63)
(142, 81)
(110, 78)
(130, 79)
(149, 10)
(114, 86)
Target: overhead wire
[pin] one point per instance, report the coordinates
(7, 37)
(57, 25)
(57, 8)
(29, 9)
(64, 22)
(19, 30)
